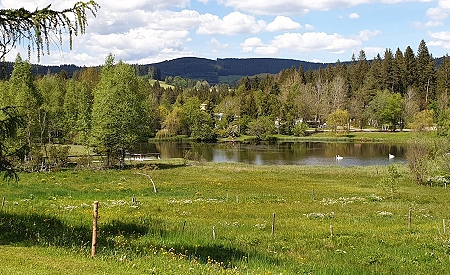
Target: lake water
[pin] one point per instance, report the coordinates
(296, 153)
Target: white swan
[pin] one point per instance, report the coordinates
(391, 156)
(338, 157)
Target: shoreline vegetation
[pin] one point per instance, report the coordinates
(219, 218)
(365, 135)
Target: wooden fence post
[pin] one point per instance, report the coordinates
(410, 219)
(273, 224)
(94, 230)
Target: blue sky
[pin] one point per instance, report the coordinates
(148, 31)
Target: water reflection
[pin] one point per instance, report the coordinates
(299, 153)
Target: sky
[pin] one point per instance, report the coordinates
(150, 31)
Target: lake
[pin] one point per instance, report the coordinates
(286, 153)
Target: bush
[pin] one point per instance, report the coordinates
(58, 156)
(163, 133)
(300, 129)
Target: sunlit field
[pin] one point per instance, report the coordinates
(225, 219)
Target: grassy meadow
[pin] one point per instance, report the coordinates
(216, 218)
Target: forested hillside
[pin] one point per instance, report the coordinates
(112, 107)
(191, 68)
(210, 70)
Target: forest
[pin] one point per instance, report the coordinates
(111, 107)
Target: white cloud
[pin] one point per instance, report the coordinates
(297, 42)
(309, 27)
(437, 14)
(371, 52)
(429, 24)
(440, 35)
(300, 7)
(217, 45)
(231, 24)
(282, 23)
(251, 43)
(367, 34)
(353, 15)
(145, 42)
(440, 12)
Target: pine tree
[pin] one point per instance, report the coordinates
(424, 76)
(409, 68)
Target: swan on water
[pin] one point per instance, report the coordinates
(338, 157)
(391, 156)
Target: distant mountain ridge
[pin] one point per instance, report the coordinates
(210, 70)
(192, 67)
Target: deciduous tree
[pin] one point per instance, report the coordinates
(118, 113)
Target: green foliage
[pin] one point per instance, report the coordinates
(58, 156)
(42, 26)
(300, 129)
(422, 121)
(391, 181)
(118, 110)
(338, 120)
(196, 123)
(418, 156)
(443, 123)
(386, 108)
(170, 232)
(24, 95)
(10, 151)
(262, 127)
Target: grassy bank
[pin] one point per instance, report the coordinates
(328, 220)
(360, 136)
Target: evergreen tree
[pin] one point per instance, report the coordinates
(409, 68)
(424, 77)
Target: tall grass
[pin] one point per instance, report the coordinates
(170, 232)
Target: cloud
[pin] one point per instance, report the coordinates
(367, 34)
(281, 23)
(440, 35)
(371, 52)
(231, 24)
(306, 42)
(289, 7)
(437, 14)
(429, 24)
(440, 12)
(216, 45)
(440, 39)
(353, 15)
(251, 43)
(146, 42)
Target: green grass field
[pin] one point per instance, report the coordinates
(328, 220)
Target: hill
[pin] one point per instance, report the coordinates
(211, 70)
